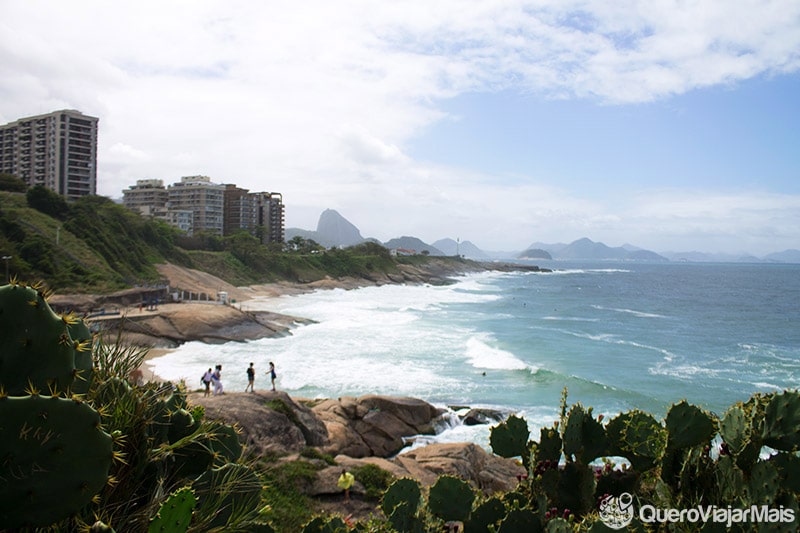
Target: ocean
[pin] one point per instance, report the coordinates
(618, 336)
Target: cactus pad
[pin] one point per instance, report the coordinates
(175, 513)
(510, 438)
(55, 458)
(489, 513)
(402, 490)
(35, 346)
(688, 426)
(520, 521)
(584, 437)
(451, 499)
(782, 421)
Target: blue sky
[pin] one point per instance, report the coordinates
(661, 123)
(743, 136)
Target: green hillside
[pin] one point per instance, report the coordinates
(96, 245)
(92, 244)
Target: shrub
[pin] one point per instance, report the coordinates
(374, 478)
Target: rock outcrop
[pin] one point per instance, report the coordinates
(269, 422)
(357, 431)
(374, 425)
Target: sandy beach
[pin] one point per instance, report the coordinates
(203, 318)
(169, 325)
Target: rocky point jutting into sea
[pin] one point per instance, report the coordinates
(370, 429)
(168, 325)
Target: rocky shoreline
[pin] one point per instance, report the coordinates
(374, 430)
(172, 324)
(369, 429)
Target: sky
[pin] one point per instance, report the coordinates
(673, 125)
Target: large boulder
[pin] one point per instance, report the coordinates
(374, 425)
(270, 422)
(467, 461)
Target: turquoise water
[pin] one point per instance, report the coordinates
(617, 335)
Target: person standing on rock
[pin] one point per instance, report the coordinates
(346, 481)
(272, 374)
(216, 379)
(251, 378)
(207, 378)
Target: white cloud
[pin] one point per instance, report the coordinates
(319, 100)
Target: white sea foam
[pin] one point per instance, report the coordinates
(766, 386)
(481, 355)
(436, 343)
(570, 319)
(364, 341)
(570, 271)
(634, 312)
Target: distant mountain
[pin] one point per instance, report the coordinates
(464, 249)
(535, 253)
(588, 249)
(335, 229)
(412, 243)
(787, 256)
(332, 230)
(706, 257)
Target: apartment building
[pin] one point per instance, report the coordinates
(272, 216)
(196, 204)
(260, 214)
(206, 201)
(146, 196)
(57, 150)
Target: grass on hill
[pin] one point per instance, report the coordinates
(96, 245)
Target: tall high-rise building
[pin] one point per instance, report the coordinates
(57, 150)
(272, 216)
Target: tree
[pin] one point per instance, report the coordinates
(11, 183)
(304, 246)
(48, 202)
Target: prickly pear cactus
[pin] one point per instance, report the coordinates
(175, 513)
(451, 499)
(510, 439)
(584, 437)
(489, 513)
(782, 420)
(637, 436)
(55, 459)
(36, 350)
(400, 503)
(688, 425)
(735, 429)
(558, 525)
(402, 490)
(520, 521)
(549, 446)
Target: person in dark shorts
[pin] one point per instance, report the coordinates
(207, 382)
(251, 378)
(272, 374)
